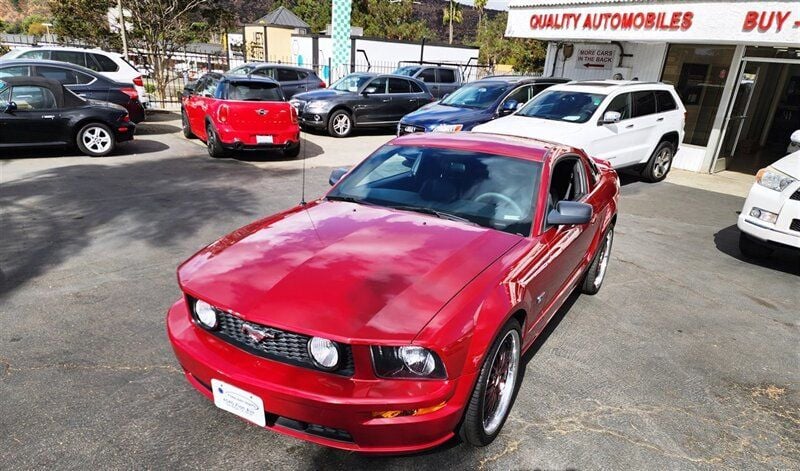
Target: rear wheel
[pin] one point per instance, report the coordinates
(660, 163)
(752, 249)
(494, 392)
(187, 130)
(95, 140)
(213, 143)
(292, 151)
(596, 272)
(340, 124)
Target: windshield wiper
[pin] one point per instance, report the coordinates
(435, 212)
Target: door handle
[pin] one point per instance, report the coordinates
(629, 126)
(660, 119)
(386, 100)
(49, 116)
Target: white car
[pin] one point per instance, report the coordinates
(627, 123)
(109, 64)
(771, 214)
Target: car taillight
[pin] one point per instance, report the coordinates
(293, 112)
(125, 118)
(138, 81)
(222, 114)
(131, 92)
(322, 84)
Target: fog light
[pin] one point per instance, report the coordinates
(205, 314)
(764, 215)
(324, 352)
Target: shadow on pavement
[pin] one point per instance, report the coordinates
(149, 129)
(784, 260)
(137, 146)
(308, 150)
(51, 215)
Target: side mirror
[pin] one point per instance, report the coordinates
(568, 213)
(611, 117)
(11, 107)
(509, 107)
(795, 137)
(369, 90)
(337, 174)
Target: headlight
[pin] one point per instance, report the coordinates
(447, 128)
(316, 105)
(408, 361)
(773, 179)
(324, 352)
(205, 314)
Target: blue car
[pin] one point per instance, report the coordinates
(475, 103)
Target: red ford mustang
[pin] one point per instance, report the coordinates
(391, 314)
(240, 112)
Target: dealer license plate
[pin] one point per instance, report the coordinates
(263, 139)
(238, 401)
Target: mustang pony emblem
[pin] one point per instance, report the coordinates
(256, 334)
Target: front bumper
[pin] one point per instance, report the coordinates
(314, 120)
(320, 407)
(785, 231)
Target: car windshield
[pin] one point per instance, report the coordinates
(562, 105)
(480, 96)
(350, 83)
(254, 91)
(407, 70)
(472, 187)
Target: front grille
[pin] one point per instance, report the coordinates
(286, 347)
(409, 129)
(795, 196)
(795, 225)
(314, 429)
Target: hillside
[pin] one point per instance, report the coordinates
(15, 10)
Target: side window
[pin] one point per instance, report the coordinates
(415, 88)
(520, 95)
(5, 95)
(265, 72)
(200, 85)
(106, 63)
(665, 101)
(92, 63)
(378, 85)
(447, 76)
(81, 78)
(622, 105)
(537, 89)
(397, 85)
(302, 75)
(568, 181)
(63, 75)
(210, 87)
(73, 57)
(33, 98)
(427, 75)
(644, 103)
(36, 54)
(15, 71)
(287, 75)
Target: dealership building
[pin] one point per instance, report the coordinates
(735, 65)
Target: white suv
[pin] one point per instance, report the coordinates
(627, 123)
(108, 64)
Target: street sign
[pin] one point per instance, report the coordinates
(596, 57)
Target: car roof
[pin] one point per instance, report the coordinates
(535, 150)
(65, 48)
(246, 78)
(524, 78)
(607, 87)
(275, 64)
(64, 65)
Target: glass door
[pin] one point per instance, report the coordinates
(740, 111)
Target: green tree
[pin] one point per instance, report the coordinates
(317, 13)
(389, 19)
(84, 20)
(480, 5)
(452, 14)
(525, 55)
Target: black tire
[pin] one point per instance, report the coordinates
(753, 249)
(660, 163)
(596, 273)
(187, 130)
(292, 152)
(473, 429)
(213, 144)
(334, 121)
(95, 139)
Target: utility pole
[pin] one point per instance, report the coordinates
(122, 29)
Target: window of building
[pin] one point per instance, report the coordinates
(698, 73)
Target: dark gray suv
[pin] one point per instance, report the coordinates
(293, 80)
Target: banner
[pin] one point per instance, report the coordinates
(340, 35)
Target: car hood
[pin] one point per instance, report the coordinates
(548, 130)
(443, 114)
(790, 165)
(322, 94)
(350, 272)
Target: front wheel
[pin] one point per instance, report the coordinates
(660, 163)
(95, 140)
(495, 390)
(596, 272)
(340, 124)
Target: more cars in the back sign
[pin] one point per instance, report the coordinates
(770, 216)
(475, 103)
(293, 80)
(84, 82)
(361, 100)
(393, 313)
(37, 112)
(630, 124)
(240, 112)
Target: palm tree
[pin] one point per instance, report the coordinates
(480, 5)
(452, 14)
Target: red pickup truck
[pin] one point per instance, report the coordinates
(234, 112)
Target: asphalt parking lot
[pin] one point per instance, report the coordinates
(687, 358)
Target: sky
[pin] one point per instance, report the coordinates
(491, 4)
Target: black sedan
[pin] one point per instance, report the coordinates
(361, 100)
(36, 112)
(84, 82)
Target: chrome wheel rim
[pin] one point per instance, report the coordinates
(96, 139)
(662, 163)
(341, 124)
(605, 254)
(500, 382)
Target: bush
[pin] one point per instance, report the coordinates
(149, 88)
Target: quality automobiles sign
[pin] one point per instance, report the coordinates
(758, 23)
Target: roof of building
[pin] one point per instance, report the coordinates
(282, 16)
